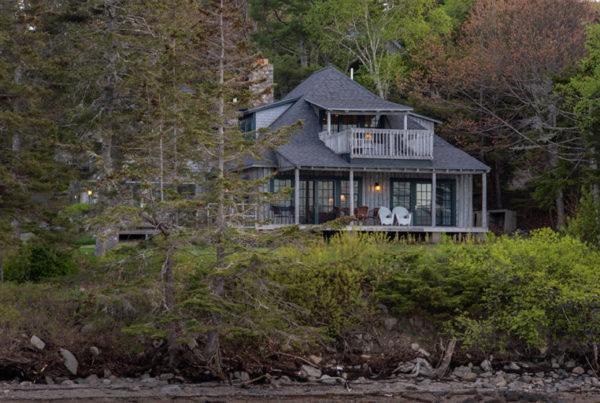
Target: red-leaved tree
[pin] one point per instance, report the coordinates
(497, 74)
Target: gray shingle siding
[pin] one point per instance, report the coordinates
(265, 117)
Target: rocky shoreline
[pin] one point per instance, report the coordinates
(402, 387)
(316, 377)
(412, 380)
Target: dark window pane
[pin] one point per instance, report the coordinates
(423, 204)
(345, 194)
(401, 195)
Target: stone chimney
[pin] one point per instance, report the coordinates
(263, 76)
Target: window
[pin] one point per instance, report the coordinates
(318, 197)
(348, 122)
(415, 195)
(401, 194)
(375, 122)
(422, 206)
(325, 200)
(344, 122)
(444, 204)
(247, 123)
(345, 194)
(282, 200)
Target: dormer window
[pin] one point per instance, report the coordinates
(248, 123)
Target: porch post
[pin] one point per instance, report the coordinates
(484, 218)
(405, 126)
(351, 192)
(433, 197)
(328, 123)
(297, 196)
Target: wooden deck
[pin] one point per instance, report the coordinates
(385, 228)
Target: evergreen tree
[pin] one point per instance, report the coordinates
(30, 176)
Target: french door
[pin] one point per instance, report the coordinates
(415, 196)
(320, 197)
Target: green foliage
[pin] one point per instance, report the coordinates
(583, 97)
(332, 281)
(37, 263)
(508, 292)
(378, 35)
(436, 284)
(586, 223)
(458, 10)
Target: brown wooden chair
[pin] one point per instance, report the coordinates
(361, 213)
(374, 216)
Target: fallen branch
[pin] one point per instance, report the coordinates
(442, 369)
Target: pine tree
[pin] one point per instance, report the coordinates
(30, 176)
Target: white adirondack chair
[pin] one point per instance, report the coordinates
(386, 217)
(402, 215)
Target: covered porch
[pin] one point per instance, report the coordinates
(438, 201)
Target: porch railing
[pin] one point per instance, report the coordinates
(248, 214)
(381, 143)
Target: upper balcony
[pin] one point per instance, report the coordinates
(381, 143)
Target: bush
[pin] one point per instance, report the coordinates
(527, 293)
(38, 262)
(586, 223)
(333, 280)
(295, 294)
(437, 284)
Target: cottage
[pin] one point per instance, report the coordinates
(358, 154)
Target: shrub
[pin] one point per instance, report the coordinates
(508, 292)
(586, 223)
(38, 262)
(333, 280)
(543, 290)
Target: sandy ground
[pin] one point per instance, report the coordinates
(368, 391)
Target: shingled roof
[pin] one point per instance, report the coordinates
(332, 90)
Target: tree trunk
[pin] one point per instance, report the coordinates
(561, 221)
(497, 185)
(2, 266)
(108, 238)
(559, 199)
(162, 167)
(595, 185)
(212, 347)
(303, 56)
(169, 305)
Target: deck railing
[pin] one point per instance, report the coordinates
(248, 214)
(381, 143)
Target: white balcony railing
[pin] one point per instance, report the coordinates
(381, 143)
